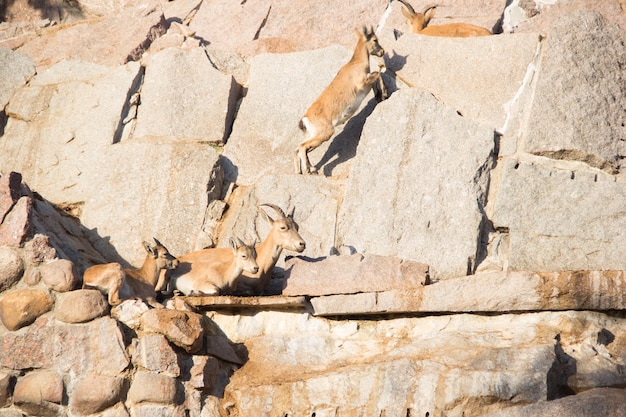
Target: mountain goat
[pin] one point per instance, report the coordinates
(341, 99)
(123, 284)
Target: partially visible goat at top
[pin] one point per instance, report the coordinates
(341, 99)
(418, 23)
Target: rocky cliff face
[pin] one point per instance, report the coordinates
(464, 247)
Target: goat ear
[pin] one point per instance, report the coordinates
(428, 14)
(157, 242)
(149, 249)
(266, 216)
(291, 211)
(233, 244)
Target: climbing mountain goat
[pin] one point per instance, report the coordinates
(341, 99)
(124, 284)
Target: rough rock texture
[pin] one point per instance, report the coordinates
(352, 274)
(11, 268)
(184, 98)
(15, 70)
(598, 401)
(182, 328)
(94, 393)
(110, 41)
(471, 83)
(40, 393)
(568, 233)
(80, 306)
(20, 308)
(580, 105)
(437, 223)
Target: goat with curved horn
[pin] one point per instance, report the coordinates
(418, 23)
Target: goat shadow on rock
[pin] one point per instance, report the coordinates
(343, 146)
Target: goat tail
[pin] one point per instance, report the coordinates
(301, 125)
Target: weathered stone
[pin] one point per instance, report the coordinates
(565, 233)
(71, 109)
(439, 220)
(152, 387)
(110, 41)
(174, 96)
(5, 384)
(418, 364)
(10, 191)
(77, 349)
(16, 227)
(40, 393)
(471, 84)
(510, 291)
(38, 250)
(538, 16)
(182, 328)
(183, 179)
(296, 25)
(129, 312)
(157, 410)
(66, 237)
(11, 268)
(20, 308)
(154, 353)
(580, 70)
(595, 402)
(15, 71)
(59, 275)
(263, 140)
(80, 306)
(204, 372)
(95, 393)
(220, 347)
(352, 274)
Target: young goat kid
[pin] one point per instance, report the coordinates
(124, 284)
(418, 22)
(214, 271)
(340, 100)
(283, 234)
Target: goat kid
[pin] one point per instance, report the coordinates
(283, 234)
(418, 22)
(125, 284)
(214, 271)
(341, 99)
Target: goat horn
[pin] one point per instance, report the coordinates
(277, 209)
(427, 8)
(408, 6)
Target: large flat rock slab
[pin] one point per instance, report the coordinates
(408, 194)
(559, 218)
(580, 99)
(283, 25)
(174, 94)
(114, 40)
(509, 292)
(16, 69)
(481, 77)
(350, 274)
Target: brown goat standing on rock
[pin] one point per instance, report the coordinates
(125, 284)
(341, 99)
(418, 22)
